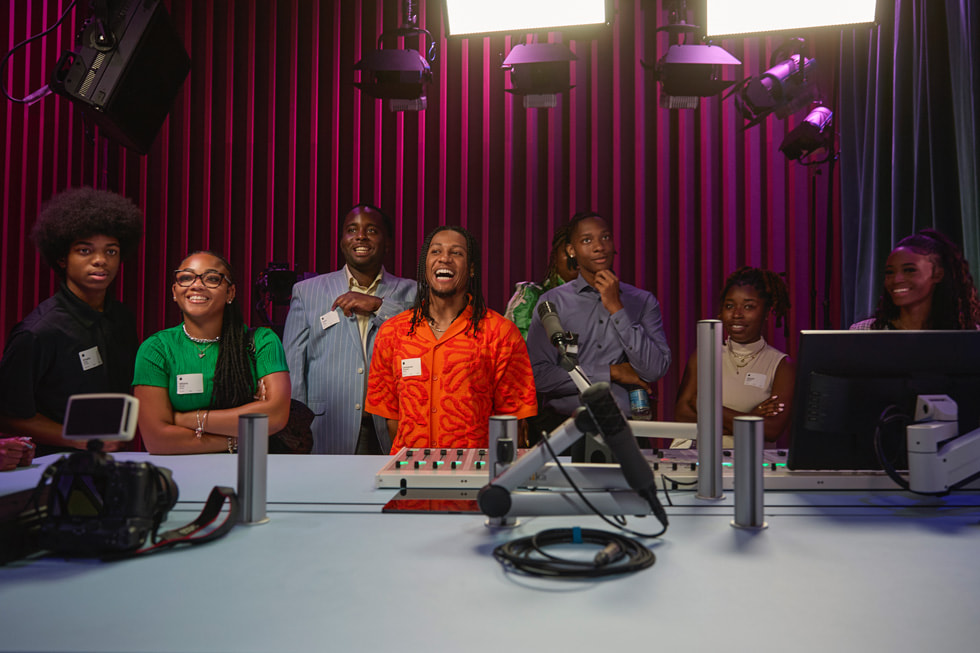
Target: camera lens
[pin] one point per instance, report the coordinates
(167, 492)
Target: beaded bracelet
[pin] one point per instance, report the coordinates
(232, 445)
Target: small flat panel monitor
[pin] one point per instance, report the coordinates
(753, 17)
(101, 416)
(465, 17)
(845, 379)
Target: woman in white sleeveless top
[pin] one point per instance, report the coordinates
(757, 379)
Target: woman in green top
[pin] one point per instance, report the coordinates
(520, 307)
(194, 380)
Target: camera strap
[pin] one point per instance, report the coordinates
(198, 531)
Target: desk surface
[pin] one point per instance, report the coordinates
(834, 571)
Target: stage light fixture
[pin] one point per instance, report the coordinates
(127, 69)
(465, 17)
(785, 88)
(811, 136)
(725, 18)
(399, 75)
(690, 72)
(539, 72)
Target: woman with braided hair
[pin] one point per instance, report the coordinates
(194, 380)
(757, 379)
(928, 285)
(520, 307)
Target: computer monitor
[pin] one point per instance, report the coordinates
(846, 379)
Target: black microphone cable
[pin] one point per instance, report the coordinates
(618, 521)
(892, 414)
(529, 555)
(6, 57)
(619, 554)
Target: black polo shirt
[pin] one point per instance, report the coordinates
(65, 347)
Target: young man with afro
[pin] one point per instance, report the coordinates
(81, 340)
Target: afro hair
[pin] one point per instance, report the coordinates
(83, 212)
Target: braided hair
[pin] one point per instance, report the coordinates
(769, 285)
(954, 299)
(420, 309)
(234, 383)
(558, 242)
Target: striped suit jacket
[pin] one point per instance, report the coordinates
(327, 367)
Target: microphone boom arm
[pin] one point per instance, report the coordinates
(501, 498)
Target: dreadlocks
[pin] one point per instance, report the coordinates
(552, 279)
(420, 310)
(770, 286)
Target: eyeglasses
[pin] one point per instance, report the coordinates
(185, 278)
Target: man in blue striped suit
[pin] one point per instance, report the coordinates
(330, 330)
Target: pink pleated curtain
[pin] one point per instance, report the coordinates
(269, 142)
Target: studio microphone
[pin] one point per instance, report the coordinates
(566, 342)
(552, 324)
(616, 432)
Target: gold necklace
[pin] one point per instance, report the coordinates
(741, 360)
(432, 323)
(207, 342)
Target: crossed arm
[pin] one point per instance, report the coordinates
(166, 431)
(774, 410)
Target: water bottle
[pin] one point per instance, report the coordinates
(639, 404)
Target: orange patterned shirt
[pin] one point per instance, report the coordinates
(443, 392)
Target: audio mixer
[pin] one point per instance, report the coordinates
(435, 468)
(469, 468)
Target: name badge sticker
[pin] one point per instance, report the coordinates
(411, 367)
(90, 358)
(327, 320)
(756, 380)
(190, 384)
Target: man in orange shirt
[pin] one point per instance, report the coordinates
(443, 367)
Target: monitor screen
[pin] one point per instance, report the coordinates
(846, 379)
(481, 17)
(727, 18)
(100, 416)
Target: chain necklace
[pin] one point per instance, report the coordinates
(432, 323)
(741, 360)
(207, 342)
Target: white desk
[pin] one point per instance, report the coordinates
(833, 572)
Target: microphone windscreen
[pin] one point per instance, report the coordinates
(549, 320)
(615, 430)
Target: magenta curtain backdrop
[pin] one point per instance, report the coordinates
(269, 142)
